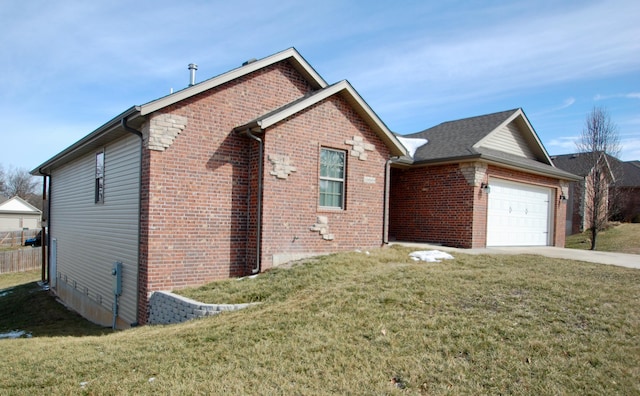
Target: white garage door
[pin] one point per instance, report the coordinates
(518, 214)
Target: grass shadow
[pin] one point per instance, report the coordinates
(35, 311)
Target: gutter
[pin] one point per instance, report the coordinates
(553, 172)
(123, 123)
(85, 141)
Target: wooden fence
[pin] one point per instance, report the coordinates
(20, 260)
(10, 239)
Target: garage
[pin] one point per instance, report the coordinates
(518, 214)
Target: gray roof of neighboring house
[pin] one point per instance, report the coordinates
(627, 174)
(576, 163)
(460, 140)
(630, 174)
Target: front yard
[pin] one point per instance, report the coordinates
(367, 323)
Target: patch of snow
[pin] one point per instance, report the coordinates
(412, 144)
(5, 293)
(15, 334)
(430, 256)
(152, 379)
(249, 277)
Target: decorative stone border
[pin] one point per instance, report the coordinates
(167, 308)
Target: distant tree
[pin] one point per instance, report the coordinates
(599, 138)
(19, 182)
(1, 180)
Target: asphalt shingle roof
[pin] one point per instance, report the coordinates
(456, 138)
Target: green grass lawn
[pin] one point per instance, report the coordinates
(622, 238)
(376, 323)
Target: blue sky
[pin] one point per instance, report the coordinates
(67, 67)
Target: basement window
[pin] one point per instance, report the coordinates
(99, 192)
(332, 176)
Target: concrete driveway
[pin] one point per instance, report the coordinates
(619, 259)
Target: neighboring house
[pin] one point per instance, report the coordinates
(480, 181)
(624, 197)
(16, 214)
(231, 176)
(578, 209)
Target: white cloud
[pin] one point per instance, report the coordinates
(563, 144)
(630, 95)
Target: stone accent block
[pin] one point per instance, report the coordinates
(475, 173)
(322, 226)
(282, 167)
(162, 130)
(359, 147)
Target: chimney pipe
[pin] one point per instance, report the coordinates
(192, 69)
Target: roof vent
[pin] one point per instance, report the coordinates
(249, 61)
(192, 69)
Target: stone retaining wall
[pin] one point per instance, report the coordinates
(167, 308)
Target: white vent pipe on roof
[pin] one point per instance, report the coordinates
(192, 69)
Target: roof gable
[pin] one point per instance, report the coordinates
(515, 136)
(505, 138)
(349, 93)
(291, 54)
(18, 205)
(114, 128)
(507, 131)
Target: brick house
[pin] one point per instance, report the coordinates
(625, 194)
(231, 176)
(622, 188)
(268, 163)
(477, 182)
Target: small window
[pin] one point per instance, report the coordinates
(100, 177)
(332, 175)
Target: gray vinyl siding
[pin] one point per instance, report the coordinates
(91, 236)
(509, 139)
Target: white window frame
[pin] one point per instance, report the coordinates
(325, 178)
(99, 177)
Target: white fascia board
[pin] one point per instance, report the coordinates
(292, 53)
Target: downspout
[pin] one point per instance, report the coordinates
(259, 199)
(387, 187)
(44, 236)
(136, 132)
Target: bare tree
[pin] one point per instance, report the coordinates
(18, 182)
(1, 180)
(599, 138)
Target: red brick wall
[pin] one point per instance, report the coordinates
(436, 204)
(194, 194)
(432, 204)
(291, 205)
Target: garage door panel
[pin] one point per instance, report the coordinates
(518, 214)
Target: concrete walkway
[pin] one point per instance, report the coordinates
(619, 259)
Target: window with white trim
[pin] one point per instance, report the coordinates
(99, 187)
(332, 177)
